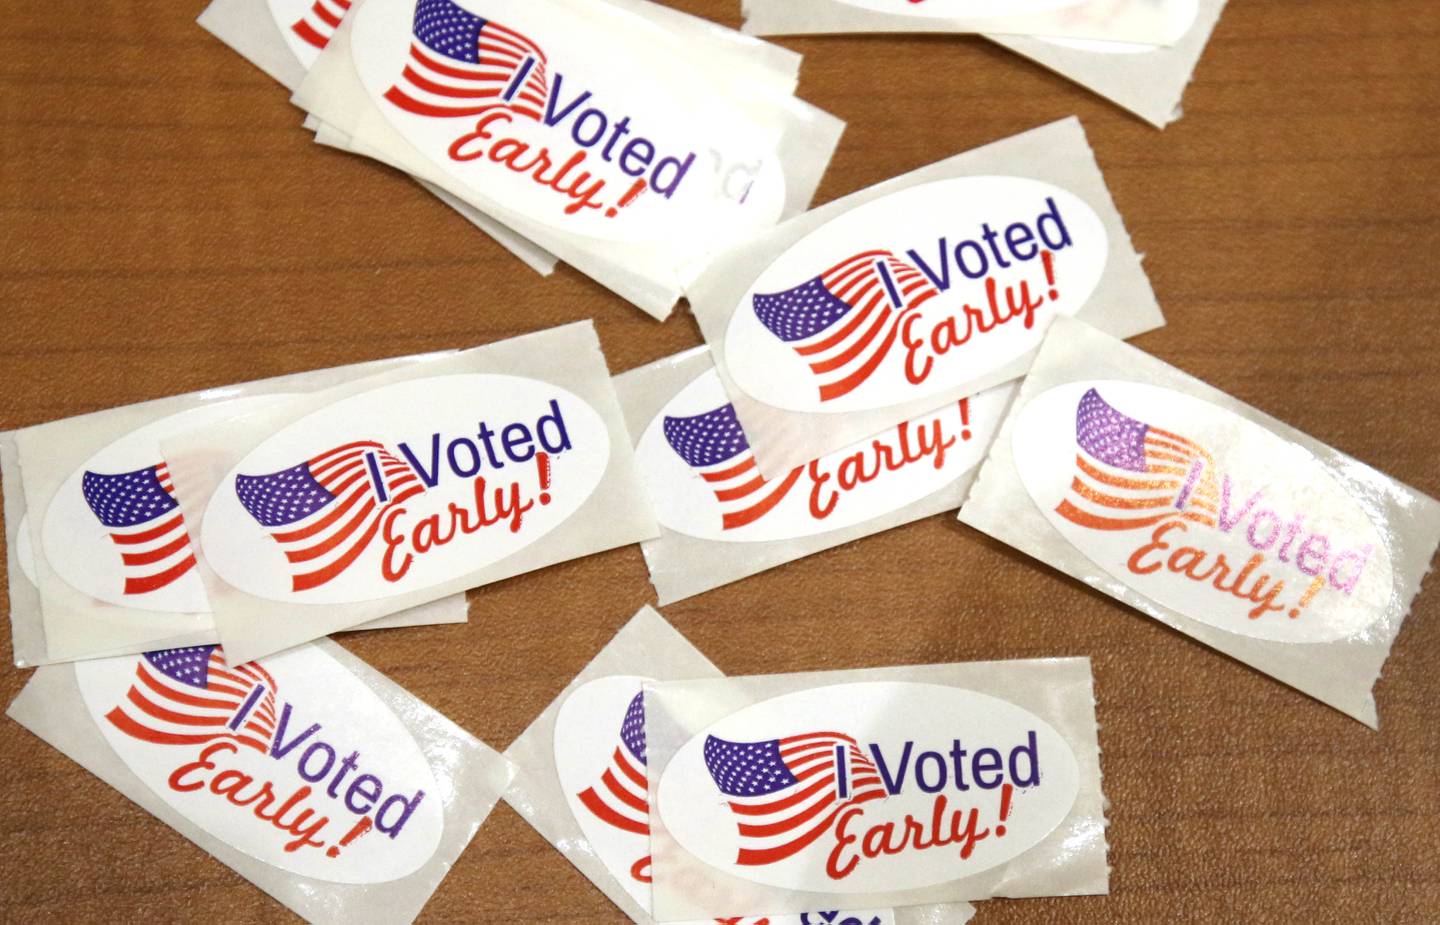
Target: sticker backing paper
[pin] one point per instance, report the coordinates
(308, 773)
(915, 293)
(1114, 20)
(720, 521)
(394, 490)
(100, 561)
(580, 777)
(1208, 515)
(874, 788)
(1148, 80)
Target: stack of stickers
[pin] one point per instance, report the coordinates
(627, 139)
(884, 796)
(1137, 53)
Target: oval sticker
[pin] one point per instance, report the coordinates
(1203, 511)
(914, 294)
(703, 481)
(114, 530)
(404, 487)
(290, 760)
(871, 786)
(548, 123)
(962, 9)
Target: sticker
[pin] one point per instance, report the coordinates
(291, 760)
(928, 288)
(114, 530)
(915, 293)
(865, 787)
(703, 481)
(600, 758)
(401, 488)
(308, 25)
(1204, 511)
(1212, 517)
(504, 102)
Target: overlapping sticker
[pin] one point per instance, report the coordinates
(581, 778)
(106, 552)
(284, 38)
(722, 521)
(308, 773)
(919, 292)
(614, 169)
(877, 787)
(1147, 79)
(1207, 515)
(394, 490)
(1147, 21)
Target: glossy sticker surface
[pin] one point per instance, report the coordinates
(868, 787)
(703, 480)
(291, 760)
(404, 487)
(914, 294)
(1203, 511)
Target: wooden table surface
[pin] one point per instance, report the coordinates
(166, 226)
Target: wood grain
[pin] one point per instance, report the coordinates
(165, 226)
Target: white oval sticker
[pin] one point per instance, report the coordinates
(404, 487)
(114, 530)
(961, 9)
(555, 125)
(307, 25)
(703, 481)
(1203, 511)
(914, 294)
(290, 760)
(864, 787)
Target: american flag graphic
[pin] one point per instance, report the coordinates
(1130, 475)
(714, 445)
(329, 507)
(190, 696)
(787, 792)
(144, 520)
(464, 65)
(318, 25)
(844, 321)
(621, 798)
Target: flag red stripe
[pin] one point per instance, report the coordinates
(291, 536)
(737, 519)
(603, 811)
(1129, 504)
(839, 336)
(430, 86)
(181, 696)
(160, 579)
(753, 857)
(335, 539)
(635, 776)
(308, 33)
(624, 796)
(308, 580)
(765, 809)
(856, 348)
(158, 554)
(1120, 482)
(170, 716)
(835, 390)
(727, 474)
(734, 494)
(154, 533)
(780, 827)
